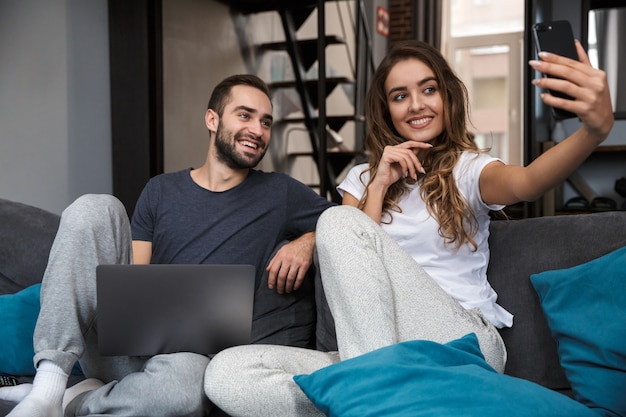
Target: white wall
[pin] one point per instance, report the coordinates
(55, 136)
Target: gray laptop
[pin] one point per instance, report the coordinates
(151, 309)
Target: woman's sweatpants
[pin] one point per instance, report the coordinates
(378, 295)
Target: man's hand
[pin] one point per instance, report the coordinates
(291, 263)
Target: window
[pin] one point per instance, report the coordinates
(483, 41)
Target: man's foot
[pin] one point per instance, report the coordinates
(44, 400)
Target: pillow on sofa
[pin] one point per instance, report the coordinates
(18, 314)
(423, 378)
(585, 307)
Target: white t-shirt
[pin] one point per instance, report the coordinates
(461, 272)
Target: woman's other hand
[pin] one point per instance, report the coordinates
(400, 161)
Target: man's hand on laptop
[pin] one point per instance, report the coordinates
(288, 268)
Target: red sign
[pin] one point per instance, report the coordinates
(382, 21)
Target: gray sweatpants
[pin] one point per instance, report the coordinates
(95, 230)
(378, 296)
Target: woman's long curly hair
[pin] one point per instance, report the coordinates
(457, 222)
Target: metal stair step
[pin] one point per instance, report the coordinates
(334, 81)
(311, 86)
(258, 6)
(338, 160)
(335, 122)
(305, 44)
(307, 47)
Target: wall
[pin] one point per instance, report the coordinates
(54, 101)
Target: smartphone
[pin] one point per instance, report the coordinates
(556, 37)
(7, 381)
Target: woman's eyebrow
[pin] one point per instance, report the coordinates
(427, 80)
(396, 89)
(404, 88)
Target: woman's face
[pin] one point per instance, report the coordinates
(414, 101)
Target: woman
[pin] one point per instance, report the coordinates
(406, 256)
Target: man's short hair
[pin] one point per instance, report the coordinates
(221, 93)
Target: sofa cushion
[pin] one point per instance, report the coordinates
(520, 248)
(26, 235)
(423, 378)
(19, 314)
(586, 311)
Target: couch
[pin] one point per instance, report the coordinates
(519, 248)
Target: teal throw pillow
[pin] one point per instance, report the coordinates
(18, 315)
(423, 378)
(585, 307)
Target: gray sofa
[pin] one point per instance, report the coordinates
(519, 248)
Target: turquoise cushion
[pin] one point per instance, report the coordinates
(422, 378)
(18, 315)
(585, 307)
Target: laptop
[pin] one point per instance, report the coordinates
(144, 310)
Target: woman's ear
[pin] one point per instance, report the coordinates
(211, 119)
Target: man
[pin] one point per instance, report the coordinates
(223, 212)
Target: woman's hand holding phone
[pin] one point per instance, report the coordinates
(582, 89)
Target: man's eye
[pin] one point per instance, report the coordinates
(244, 116)
(266, 123)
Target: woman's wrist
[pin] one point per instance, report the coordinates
(376, 190)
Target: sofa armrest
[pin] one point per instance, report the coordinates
(26, 235)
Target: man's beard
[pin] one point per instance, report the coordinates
(225, 144)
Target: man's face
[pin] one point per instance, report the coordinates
(243, 131)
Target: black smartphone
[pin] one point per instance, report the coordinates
(556, 37)
(7, 381)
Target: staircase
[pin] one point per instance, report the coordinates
(330, 154)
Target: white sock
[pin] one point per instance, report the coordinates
(15, 393)
(45, 398)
